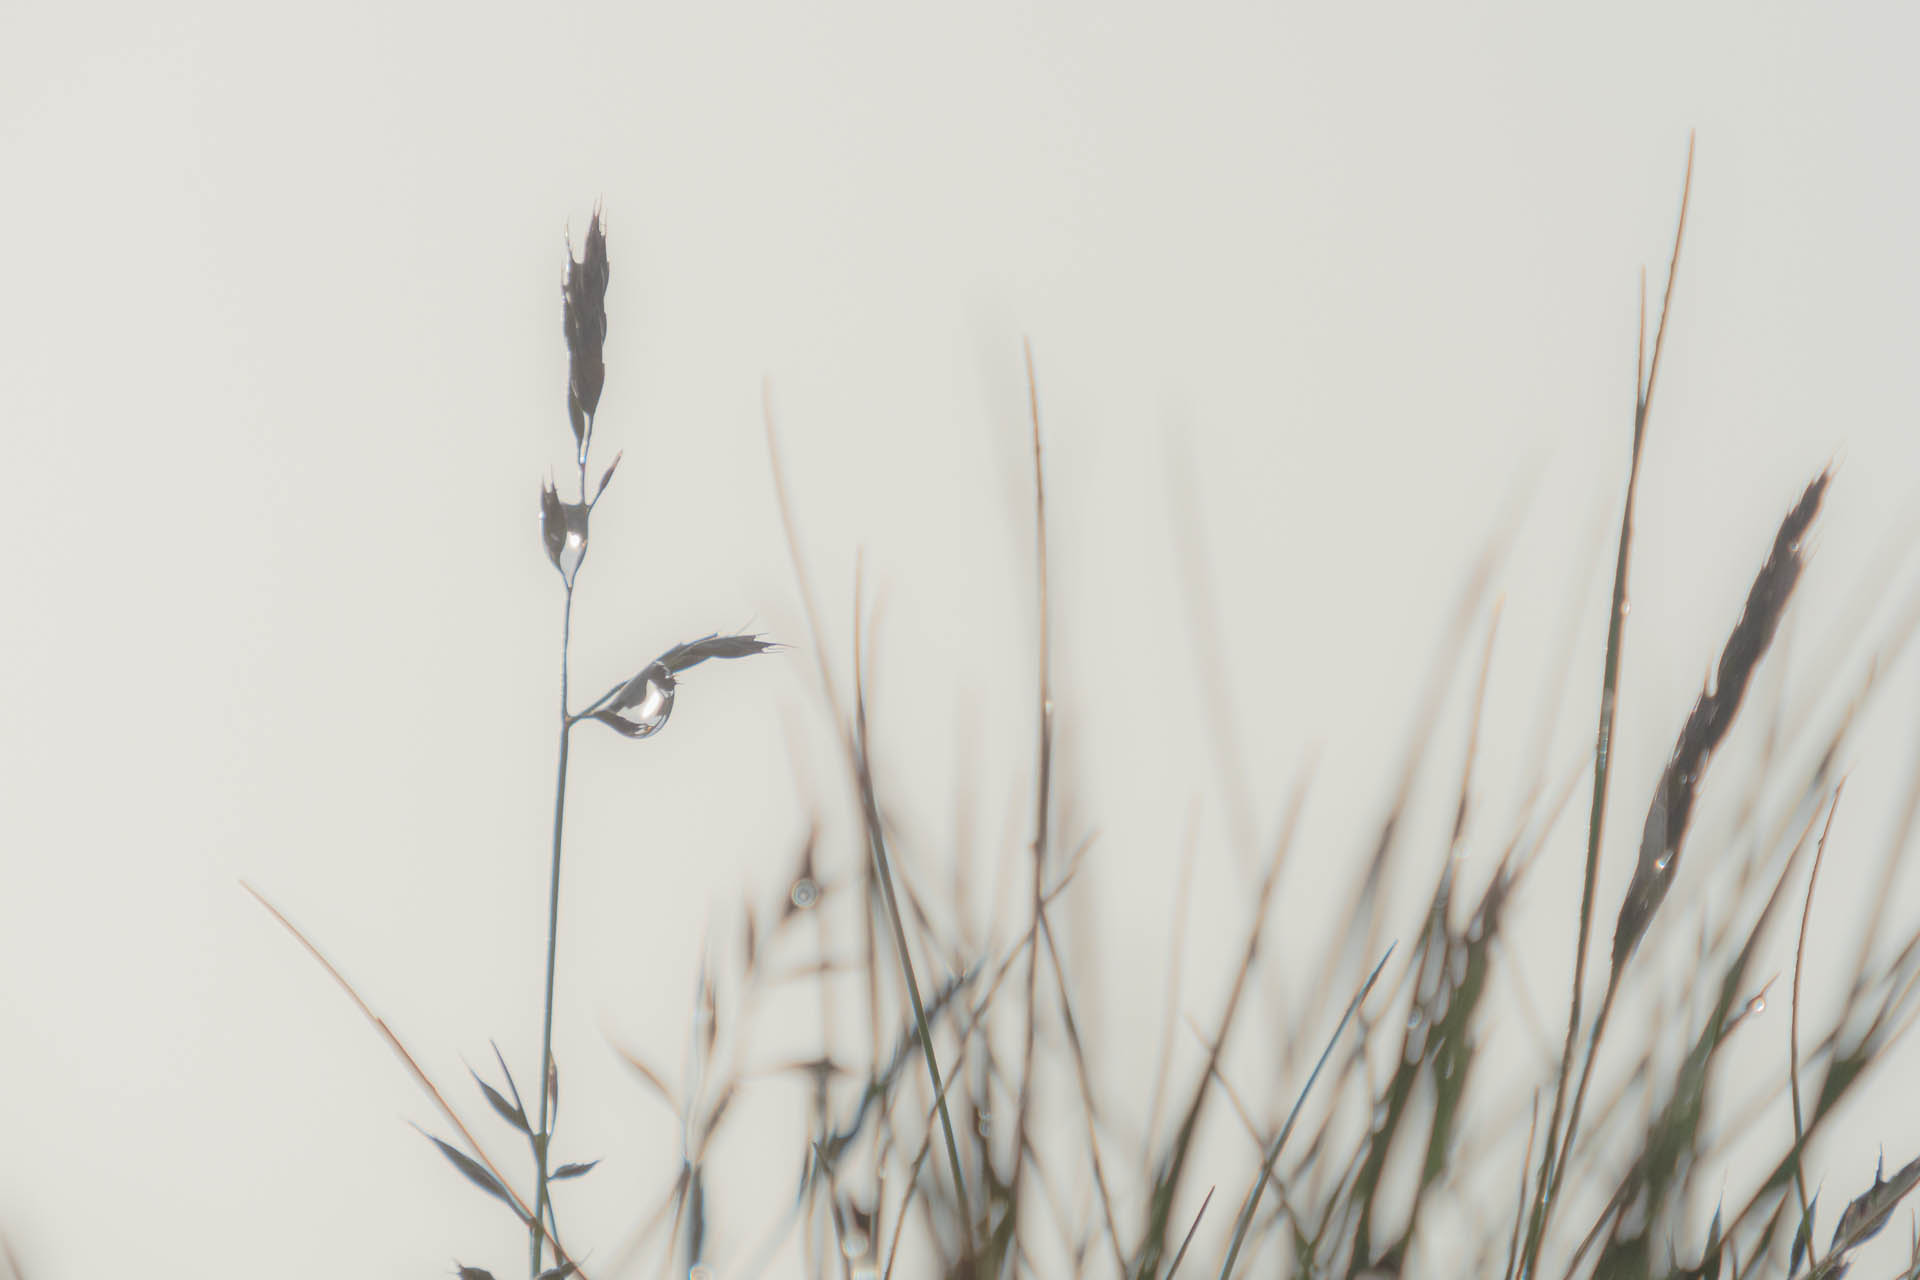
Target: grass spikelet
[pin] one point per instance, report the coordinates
(1665, 833)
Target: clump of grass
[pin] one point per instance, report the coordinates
(1382, 1146)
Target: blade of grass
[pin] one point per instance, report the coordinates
(1043, 788)
(413, 1067)
(1146, 1260)
(1550, 1171)
(1280, 1139)
(1188, 1239)
(1793, 1033)
(883, 872)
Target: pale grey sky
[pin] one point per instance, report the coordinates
(280, 369)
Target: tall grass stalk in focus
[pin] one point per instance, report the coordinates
(635, 708)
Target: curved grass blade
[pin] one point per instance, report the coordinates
(476, 1173)
(1273, 1152)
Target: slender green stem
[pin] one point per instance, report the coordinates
(536, 1242)
(1559, 1147)
(883, 874)
(1042, 797)
(891, 902)
(1793, 1032)
(1280, 1140)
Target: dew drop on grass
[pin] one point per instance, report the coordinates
(984, 1124)
(571, 553)
(854, 1244)
(653, 708)
(804, 893)
(700, 1271)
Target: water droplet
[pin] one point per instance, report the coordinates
(804, 893)
(572, 552)
(984, 1125)
(655, 705)
(855, 1244)
(1756, 1005)
(700, 1271)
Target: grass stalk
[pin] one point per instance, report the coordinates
(1793, 1029)
(542, 1136)
(890, 902)
(1043, 791)
(1552, 1161)
(1286, 1130)
(418, 1073)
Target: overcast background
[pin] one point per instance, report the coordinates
(281, 370)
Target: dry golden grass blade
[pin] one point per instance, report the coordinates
(413, 1067)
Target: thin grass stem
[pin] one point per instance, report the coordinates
(1043, 795)
(1280, 1139)
(1552, 1162)
(1793, 1033)
(883, 873)
(413, 1067)
(542, 1138)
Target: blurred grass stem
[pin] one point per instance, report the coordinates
(1553, 1161)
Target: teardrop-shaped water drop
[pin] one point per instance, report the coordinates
(572, 552)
